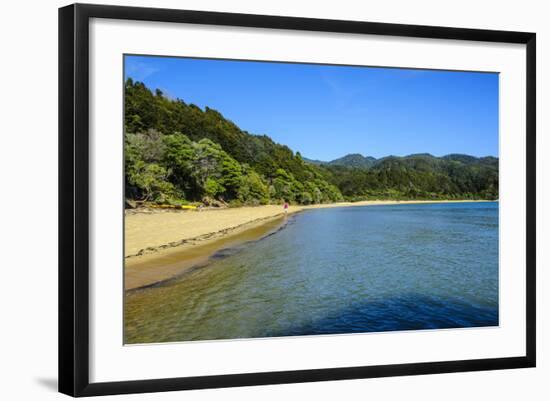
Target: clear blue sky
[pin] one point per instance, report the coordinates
(326, 112)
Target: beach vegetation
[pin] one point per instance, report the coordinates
(177, 153)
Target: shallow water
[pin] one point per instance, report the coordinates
(330, 271)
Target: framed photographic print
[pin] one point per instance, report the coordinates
(249, 199)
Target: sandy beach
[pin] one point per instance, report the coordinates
(162, 244)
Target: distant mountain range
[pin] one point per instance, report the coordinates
(416, 176)
(357, 160)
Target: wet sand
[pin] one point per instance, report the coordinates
(158, 266)
(163, 244)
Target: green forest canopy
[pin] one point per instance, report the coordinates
(177, 153)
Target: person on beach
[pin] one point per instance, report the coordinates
(285, 207)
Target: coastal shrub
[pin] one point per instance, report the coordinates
(306, 198)
(253, 188)
(212, 187)
(150, 180)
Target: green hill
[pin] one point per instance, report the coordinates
(176, 152)
(419, 176)
(354, 160)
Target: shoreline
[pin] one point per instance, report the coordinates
(163, 244)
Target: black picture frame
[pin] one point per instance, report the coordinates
(74, 198)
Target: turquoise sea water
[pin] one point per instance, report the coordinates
(332, 271)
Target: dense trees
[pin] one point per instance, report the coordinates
(177, 153)
(420, 176)
(172, 168)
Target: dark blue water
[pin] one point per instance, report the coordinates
(332, 271)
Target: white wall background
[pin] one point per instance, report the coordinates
(28, 199)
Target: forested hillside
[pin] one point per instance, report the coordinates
(420, 176)
(177, 153)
